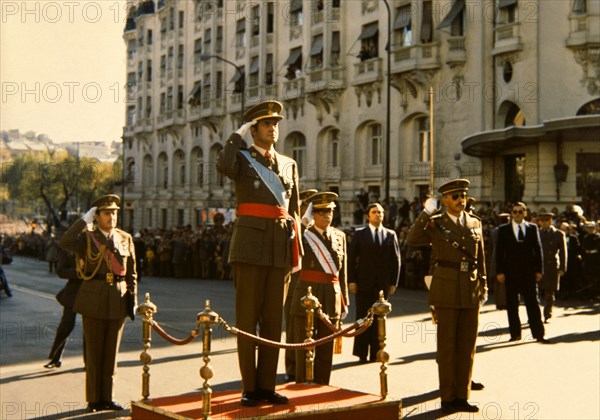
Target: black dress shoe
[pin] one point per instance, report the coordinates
(272, 397)
(544, 341)
(362, 360)
(249, 399)
(448, 407)
(112, 405)
(52, 365)
(94, 406)
(476, 386)
(463, 405)
(515, 338)
(290, 378)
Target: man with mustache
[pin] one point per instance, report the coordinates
(458, 288)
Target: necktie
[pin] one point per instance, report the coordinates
(269, 157)
(521, 235)
(377, 241)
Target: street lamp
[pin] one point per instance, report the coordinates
(388, 100)
(238, 69)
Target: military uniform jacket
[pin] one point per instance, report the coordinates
(97, 298)
(331, 296)
(554, 250)
(257, 240)
(65, 268)
(458, 260)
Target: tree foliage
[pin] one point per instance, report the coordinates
(58, 182)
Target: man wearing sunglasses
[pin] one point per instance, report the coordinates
(519, 266)
(457, 290)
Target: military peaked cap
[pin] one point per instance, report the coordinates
(307, 193)
(263, 110)
(545, 215)
(455, 185)
(107, 202)
(322, 200)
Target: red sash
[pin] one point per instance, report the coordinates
(115, 266)
(267, 211)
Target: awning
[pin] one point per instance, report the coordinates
(457, 7)
(296, 5)
(369, 31)
(506, 3)
(294, 56)
(237, 76)
(317, 45)
(402, 18)
(571, 129)
(195, 93)
(253, 65)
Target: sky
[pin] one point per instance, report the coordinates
(63, 68)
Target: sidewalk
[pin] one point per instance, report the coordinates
(523, 379)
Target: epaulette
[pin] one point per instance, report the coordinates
(435, 216)
(475, 216)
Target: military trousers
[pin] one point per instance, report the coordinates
(260, 293)
(102, 339)
(456, 338)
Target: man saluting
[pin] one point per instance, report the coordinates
(458, 288)
(265, 244)
(106, 264)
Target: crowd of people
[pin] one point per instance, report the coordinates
(201, 252)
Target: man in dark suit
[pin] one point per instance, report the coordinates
(106, 264)
(324, 270)
(265, 244)
(373, 265)
(519, 265)
(457, 290)
(554, 248)
(65, 268)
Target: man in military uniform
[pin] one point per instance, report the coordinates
(290, 354)
(324, 270)
(590, 245)
(458, 288)
(265, 244)
(554, 249)
(108, 293)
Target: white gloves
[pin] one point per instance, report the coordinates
(430, 205)
(307, 217)
(89, 216)
(245, 127)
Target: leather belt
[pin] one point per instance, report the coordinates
(110, 278)
(463, 266)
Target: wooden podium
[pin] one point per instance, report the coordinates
(307, 401)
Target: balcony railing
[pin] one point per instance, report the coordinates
(368, 71)
(507, 38)
(293, 89)
(414, 57)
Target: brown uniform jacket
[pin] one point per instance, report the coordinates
(554, 251)
(97, 298)
(452, 245)
(258, 240)
(330, 295)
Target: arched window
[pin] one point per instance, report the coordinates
(197, 166)
(374, 142)
(178, 168)
(334, 148)
(148, 172)
(163, 171)
(130, 174)
(297, 144)
(422, 125)
(515, 117)
(590, 108)
(215, 177)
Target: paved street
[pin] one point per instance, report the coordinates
(524, 380)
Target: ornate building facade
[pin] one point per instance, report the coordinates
(515, 87)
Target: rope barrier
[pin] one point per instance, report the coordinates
(179, 342)
(360, 325)
(369, 320)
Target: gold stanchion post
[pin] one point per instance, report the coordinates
(380, 309)
(147, 311)
(311, 303)
(206, 319)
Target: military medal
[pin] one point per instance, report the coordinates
(256, 184)
(110, 278)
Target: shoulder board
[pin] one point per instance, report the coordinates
(475, 216)
(435, 216)
(122, 232)
(360, 228)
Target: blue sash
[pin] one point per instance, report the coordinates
(270, 179)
